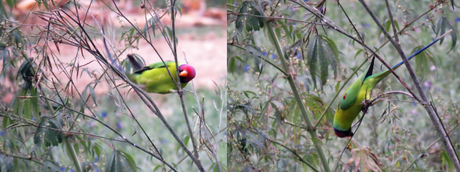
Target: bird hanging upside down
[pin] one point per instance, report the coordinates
(351, 103)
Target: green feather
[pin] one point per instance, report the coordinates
(154, 78)
(351, 102)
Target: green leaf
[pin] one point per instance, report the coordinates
(86, 144)
(186, 139)
(97, 149)
(337, 86)
(316, 105)
(18, 39)
(18, 104)
(131, 33)
(150, 23)
(3, 13)
(421, 61)
(324, 50)
(231, 64)
(312, 54)
(332, 46)
(91, 93)
(5, 55)
(157, 167)
(442, 26)
(324, 62)
(40, 133)
(117, 162)
(293, 109)
(130, 160)
(170, 34)
(431, 57)
(255, 53)
(214, 167)
(27, 109)
(446, 161)
(453, 35)
(255, 143)
(34, 102)
(53, 134)
(387, 26)
(7, 121)
(286, 30)
(358, 52)
(76, 147)
(248, 17)
(279, 116)
(397, 26)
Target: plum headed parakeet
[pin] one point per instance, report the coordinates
(154, 78)
(350, 103)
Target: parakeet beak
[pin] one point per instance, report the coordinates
(183, 73)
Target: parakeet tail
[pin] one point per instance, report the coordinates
(416, 53)
(137, 66)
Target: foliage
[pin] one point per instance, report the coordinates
(305, 53)
(52, 124)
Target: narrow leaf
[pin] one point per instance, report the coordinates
(311, 58)
(323, 60)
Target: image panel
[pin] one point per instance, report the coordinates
(113, 85)
(351, 85)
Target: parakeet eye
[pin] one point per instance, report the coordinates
(345, 96)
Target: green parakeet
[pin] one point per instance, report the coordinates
(154, 78)
(350, 103)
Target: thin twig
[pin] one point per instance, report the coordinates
(295, 154)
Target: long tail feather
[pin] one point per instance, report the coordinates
(371, 68)
(421, 50)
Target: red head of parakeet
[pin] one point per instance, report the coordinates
(186, 73)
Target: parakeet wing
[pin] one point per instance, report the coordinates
(350, 96)
(154, 66)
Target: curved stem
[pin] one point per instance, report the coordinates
(178, 84)
(72, 154)
(274, 40)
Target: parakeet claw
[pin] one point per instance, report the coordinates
(366, 104)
